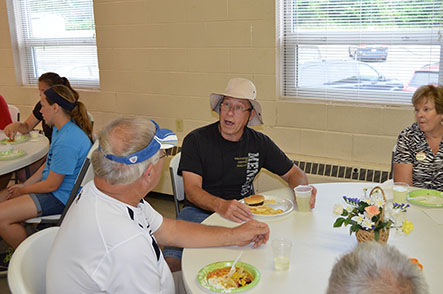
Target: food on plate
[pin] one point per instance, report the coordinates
(254, 200)
(265, 210)
(219, 278)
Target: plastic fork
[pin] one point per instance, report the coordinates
(232, 270)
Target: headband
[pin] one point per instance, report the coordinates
(163, 139)
(56, 98)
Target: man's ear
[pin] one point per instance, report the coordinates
(147, 173)
(251, 115)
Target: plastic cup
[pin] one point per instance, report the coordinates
(281, 249)
(400, 190)
(34, 134)
(303, 197)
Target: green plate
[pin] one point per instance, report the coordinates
(426, 197)
(201, 276)
(17, 140)
(11, 154)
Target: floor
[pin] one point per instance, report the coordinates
(161, 202)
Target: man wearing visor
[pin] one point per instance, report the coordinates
(108, 242)
(220, 161)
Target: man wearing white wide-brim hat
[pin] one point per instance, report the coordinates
(220, 161)
(108, 242)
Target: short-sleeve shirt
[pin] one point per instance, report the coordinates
(38, 115)
(69, 147)
(228, 168)
(427, 168)
(107, 246)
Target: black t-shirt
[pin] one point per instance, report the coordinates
(228, 168)
(38, 115)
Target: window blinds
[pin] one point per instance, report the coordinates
(57, 36)
(360, 50)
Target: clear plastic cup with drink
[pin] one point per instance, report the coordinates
(282, 249)
(303, 197)
(400, 190)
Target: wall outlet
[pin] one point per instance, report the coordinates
(179, 125)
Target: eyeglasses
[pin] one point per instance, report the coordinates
(164, 153)
(237, 109)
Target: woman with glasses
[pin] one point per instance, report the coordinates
(418, 159)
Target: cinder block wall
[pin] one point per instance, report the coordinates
(162, 59)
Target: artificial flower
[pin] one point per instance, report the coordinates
(367, 224)
(338, 209)
(407, 227)
(372, 210)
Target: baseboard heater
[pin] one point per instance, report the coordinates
(344, 172)
(329, 170)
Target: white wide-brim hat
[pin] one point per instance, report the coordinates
(241, 89)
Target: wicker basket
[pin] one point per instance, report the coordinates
(363, 235)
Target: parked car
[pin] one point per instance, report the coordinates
(344, 74)
(365, 52)
(426, 75)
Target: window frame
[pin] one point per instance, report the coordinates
(290, 42)
(24, 45)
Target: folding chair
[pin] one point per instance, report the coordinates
(391, 174)
(27, 268)
(177, 182)
(85, 175)
(15, 113)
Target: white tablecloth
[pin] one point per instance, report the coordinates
(317, 245)
(34, 148)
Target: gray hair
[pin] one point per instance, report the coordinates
(373, 268)
(122, 137)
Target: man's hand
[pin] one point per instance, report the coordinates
(235, 211)
(313, 197)
(252, 231)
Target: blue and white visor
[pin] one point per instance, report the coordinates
(163, 139)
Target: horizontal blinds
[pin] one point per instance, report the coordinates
(360, 50)
(57, 36)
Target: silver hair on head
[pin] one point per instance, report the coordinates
(375, 268)
(122, 137)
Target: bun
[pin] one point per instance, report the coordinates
(254, 200)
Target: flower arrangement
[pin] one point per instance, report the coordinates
(372, 215)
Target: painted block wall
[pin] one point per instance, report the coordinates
(162, 59)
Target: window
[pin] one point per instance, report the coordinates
(57, 36)
(360, 50)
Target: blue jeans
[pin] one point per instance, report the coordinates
(191, 214)
(47, 204)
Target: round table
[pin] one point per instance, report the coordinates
(35, 149)
(317, 245)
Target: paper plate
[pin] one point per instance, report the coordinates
(201, 276)
(11, 154)
(276, 202)
(426, 197)
(17, 140)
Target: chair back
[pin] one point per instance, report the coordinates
(391, 174)
(177, 182)
(14, 112)
(27, 268)
(85, 175)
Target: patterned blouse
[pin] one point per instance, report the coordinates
(427, 168)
